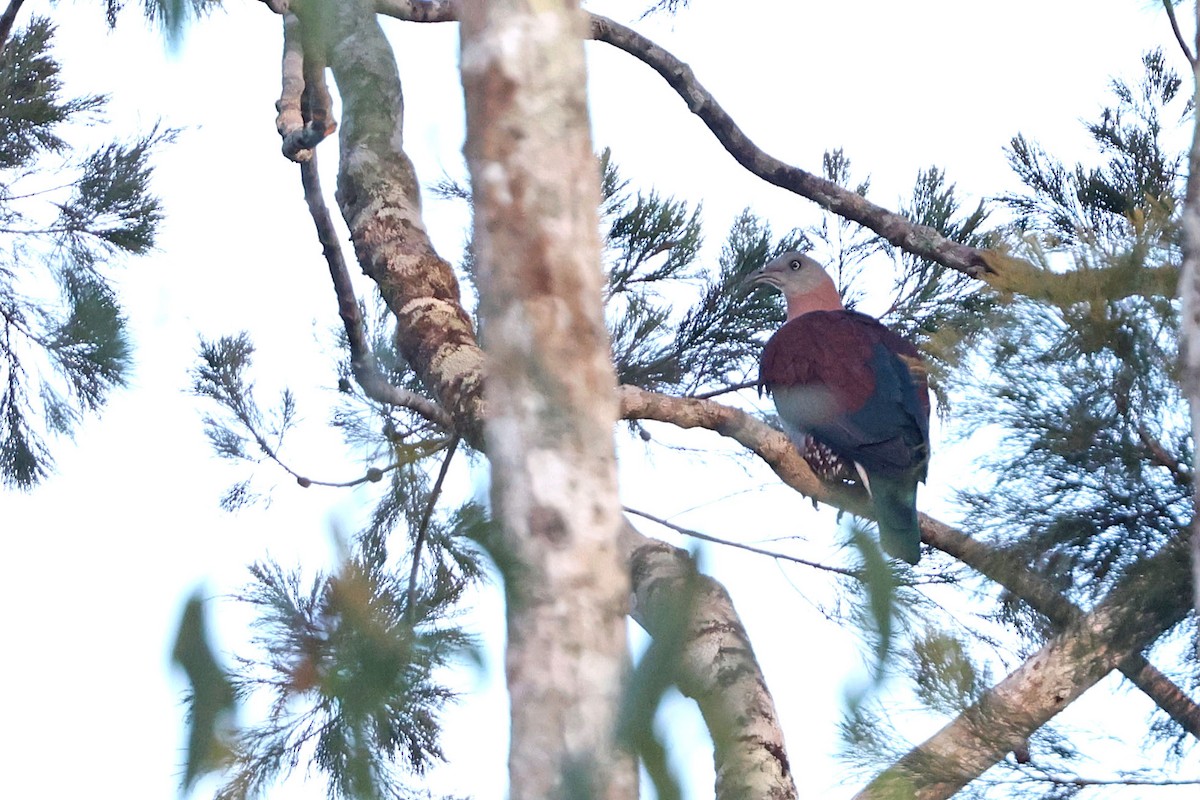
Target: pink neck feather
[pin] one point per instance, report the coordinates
(822, 298)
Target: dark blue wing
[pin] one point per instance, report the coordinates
(890, 431)
(845, 379)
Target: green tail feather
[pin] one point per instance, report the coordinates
(895, 501)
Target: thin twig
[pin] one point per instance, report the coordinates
(1160, 456)
(373, 475)
(423, 529)
(39, 192)
(1183, 45)
(850, 573)
(737, 387)
(1042, 776)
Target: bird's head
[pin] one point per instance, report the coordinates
(803, 282)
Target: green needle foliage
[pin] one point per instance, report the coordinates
(348, 663)
(65, 214)
(1092, 474)
(1095, 471)
(1080, 203)
(942, 311)
(1076, 379)
(350, 670)
(652, 246)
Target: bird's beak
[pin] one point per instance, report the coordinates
(760, 276)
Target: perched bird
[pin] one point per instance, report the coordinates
(852, 385)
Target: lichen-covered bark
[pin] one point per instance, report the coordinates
(551, 395)
(1132, 616)
(380, 200)
(717, 668)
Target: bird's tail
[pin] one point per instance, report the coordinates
(895, 501)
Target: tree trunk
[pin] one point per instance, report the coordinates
(1189, 295)
(550, 395)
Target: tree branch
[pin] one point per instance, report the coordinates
(380, 200)
(777, 451)
(423, 528)
(305, 106)
(362, 361)
(1160, 456)
(289, 121)
(8, 18)
(1132, 616)
(997, 268)
(1046, 600)
(420, 10)
(717, 669)
(1183, 45)
(918, 239)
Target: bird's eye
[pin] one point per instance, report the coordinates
(795, 263)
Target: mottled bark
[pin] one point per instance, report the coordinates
(717, 668)
(362, 360)
(1128, 620)
(305, 113)
(380, 200)
(551, 400)
(1189, 294)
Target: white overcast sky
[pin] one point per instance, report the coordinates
(100, 558)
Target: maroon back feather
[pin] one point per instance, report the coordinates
(834, 349)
